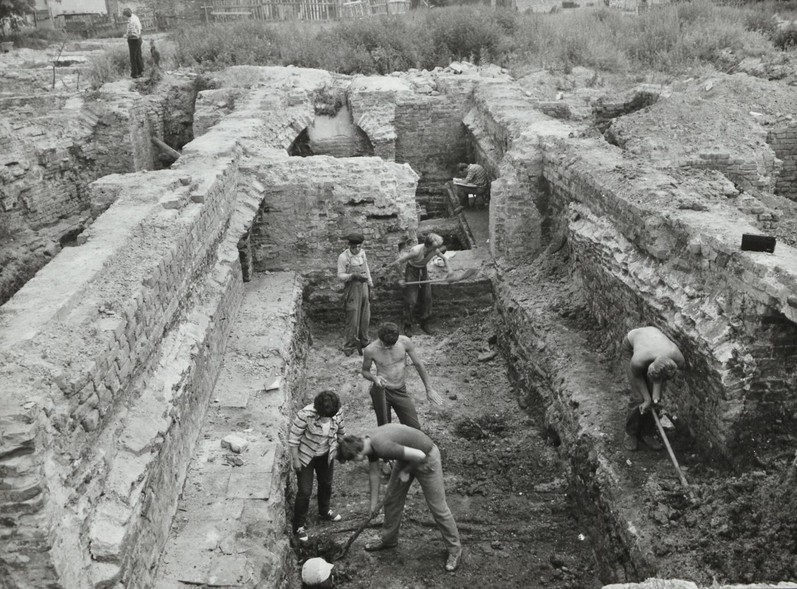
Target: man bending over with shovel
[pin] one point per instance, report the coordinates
(654, 360)
(417, 257)
(416, 456)
(389, 388)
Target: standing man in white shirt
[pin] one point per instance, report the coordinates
(353, 271)
(133, 36)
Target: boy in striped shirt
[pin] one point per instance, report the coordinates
(313, 443)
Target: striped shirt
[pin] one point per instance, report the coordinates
(133, 27)
(476, 175)
(307, 433)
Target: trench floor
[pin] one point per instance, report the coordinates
(506, 484)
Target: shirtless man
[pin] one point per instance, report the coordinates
(417, 457)
(417, 257)
(389, 388)
(654, 360)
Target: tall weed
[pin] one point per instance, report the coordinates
(111, 65)
(668, 38)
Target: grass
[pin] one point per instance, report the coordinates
(35, 38)
(670, 38)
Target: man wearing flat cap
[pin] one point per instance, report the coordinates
(353, 271)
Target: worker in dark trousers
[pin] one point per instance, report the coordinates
(133, 36)
(654, 360)
(353, 271)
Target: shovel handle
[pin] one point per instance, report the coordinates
(345, 550)
(666, 441)
(402, 283)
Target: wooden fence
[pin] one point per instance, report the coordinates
(314, 10)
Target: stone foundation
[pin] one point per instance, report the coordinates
(111, 353)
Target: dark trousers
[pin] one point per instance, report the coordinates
(640, 424)
(323, 469)
(481, 192)
(136, 59)
(358, 315)
(399, 400)
(419, 295)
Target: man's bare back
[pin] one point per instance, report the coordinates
(649, 343)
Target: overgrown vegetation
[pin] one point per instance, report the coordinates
(669, 38)
(111, 65)
(36, 38)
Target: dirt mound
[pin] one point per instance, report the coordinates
(723, 114)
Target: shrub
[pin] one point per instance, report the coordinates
(785, 38)
(111, 65)
(667, 38)
(36, 38)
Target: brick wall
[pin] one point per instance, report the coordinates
(641, 267)
(308, 206)
(783, 141)
(431, 138)
(44, 176)
(94, 323)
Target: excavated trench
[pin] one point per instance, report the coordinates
(205, 310)
(511, 492)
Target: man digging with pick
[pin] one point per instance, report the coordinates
(654, 360)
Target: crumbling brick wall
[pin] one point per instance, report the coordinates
(309, 205)
(45, 174)
(783, 141)
(431, 138)
(82, 344)
(642, 267)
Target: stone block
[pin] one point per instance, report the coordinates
(235, 443)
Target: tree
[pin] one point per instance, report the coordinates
(18, 7)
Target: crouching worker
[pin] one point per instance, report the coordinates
(416, 456)
(654, 360)
(313, 443)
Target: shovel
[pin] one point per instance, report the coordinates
(666, 441)
(452, 277)
(345, 548)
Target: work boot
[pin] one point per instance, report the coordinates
(427, 327)
(301, 534)
(452, 562)
(652, 442)
(631, 443)
(408, 329)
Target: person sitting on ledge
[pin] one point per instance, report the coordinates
(654, 360)
(475, 181)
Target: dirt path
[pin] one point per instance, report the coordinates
(506, 484)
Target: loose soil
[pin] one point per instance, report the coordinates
(505, 482)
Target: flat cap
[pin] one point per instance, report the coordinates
(355, 237)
